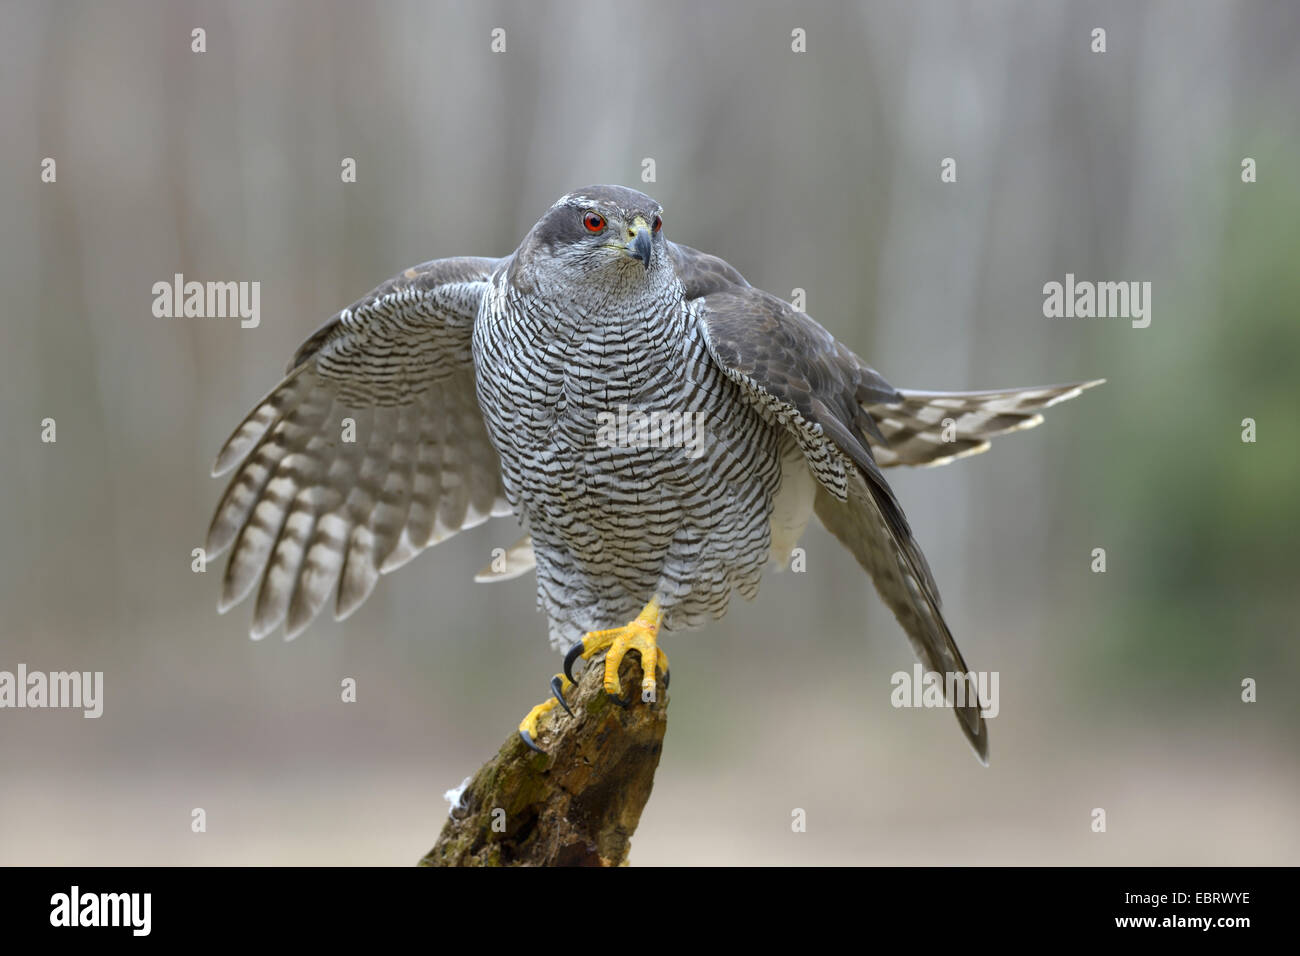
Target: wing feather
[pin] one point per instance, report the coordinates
(796, 374)
(934, 428)
(309, 513)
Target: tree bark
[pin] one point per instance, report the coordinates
(579, 803)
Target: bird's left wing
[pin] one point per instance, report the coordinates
(795, 373)
(371, 449)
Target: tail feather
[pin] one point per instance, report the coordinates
(933, 428)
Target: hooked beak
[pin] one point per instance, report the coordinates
(641, 245)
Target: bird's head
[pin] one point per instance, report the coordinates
(607, 236)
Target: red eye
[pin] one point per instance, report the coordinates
(594, 221)
(659, 224)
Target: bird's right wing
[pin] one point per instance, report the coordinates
(371, 449)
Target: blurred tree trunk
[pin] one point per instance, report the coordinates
(579, 803)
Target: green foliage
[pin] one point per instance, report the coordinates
(1203, 583)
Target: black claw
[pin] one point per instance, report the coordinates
(574, 653)
(625, 704)
(557, 688)
(523, 735)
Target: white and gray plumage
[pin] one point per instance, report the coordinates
(478, 387)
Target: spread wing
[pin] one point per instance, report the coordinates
(800, 378)
(371, 449)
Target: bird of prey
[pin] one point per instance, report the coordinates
(662, 430)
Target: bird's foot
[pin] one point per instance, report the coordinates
(528, 727)
(641, 636)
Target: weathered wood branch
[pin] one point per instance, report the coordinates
(579, 803)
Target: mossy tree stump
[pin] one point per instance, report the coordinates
(579, 803)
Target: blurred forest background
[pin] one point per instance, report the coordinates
(817, 170)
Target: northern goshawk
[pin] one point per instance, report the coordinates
(663, 430)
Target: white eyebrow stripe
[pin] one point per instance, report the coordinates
(580, 201)
(576, 200)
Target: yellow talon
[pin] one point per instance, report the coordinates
(641, 636)
(529, 727)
